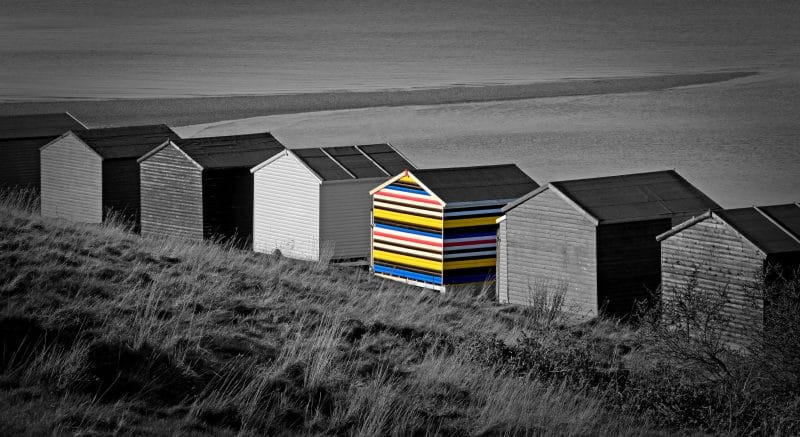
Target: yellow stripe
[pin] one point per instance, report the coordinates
(407, 218)
(467, 222)
(408, 209)
(469, 264)
(409, 180)
(407, 260)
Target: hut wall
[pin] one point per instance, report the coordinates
(171, 195)
(717, 258)
(470, 243)
(407, 238)
(551, 246)
(345, 218)
(72, 185)
(121, 189)
(228, 205)
(628, 263)
(19, 161)
(286, 209)
(501, 280)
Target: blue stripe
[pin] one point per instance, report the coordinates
(408, 190)
(408, 231)
(468, 278)
(394, 271)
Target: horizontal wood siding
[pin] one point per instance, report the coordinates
(720, 259)
(121, 189)
(72, 186)
(501, 282)
(228, 205)
(551, 246)
(19, 161)
(286, 209)
(628, 264)
(345, 218)
(171, 195)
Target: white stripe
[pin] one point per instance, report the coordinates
(378, 238)
(468, 254)
(404, 201)
(409, 235)
(460, 240)
(406, 193)
(410, 281)
(417, 211)
(419, 253)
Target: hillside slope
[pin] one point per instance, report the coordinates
(104, 331)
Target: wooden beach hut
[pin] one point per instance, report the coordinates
(435, 228)
(199, 188)
(592, 240)
(21, 137)
(734, 250)
(88, 174)
(314, 203)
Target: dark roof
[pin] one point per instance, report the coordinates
(352, 162)
(760, 230)
(787, 216)
(472, 184)
(127, 141)
(38, 125)
(232, 151)
(634, 197)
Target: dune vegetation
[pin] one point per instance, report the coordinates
(106, 332)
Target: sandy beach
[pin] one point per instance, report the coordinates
(188, 111)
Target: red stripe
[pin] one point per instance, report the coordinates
(401, 196)
(468, 243)
(413, 240)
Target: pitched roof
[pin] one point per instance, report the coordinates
(472, 184)
(38, 125)
(633, 197)
(231, 151)
(353, 162)
(126, 141)
(759, 225)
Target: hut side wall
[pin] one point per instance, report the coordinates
(72, 185)
(286, 209)
(720, 259)
(501, 281)
(628, 263)
(470, 243)
(171, 195)
(121, 189)
(345, 218)
(19, 161)
(228, 205)
(551, 246)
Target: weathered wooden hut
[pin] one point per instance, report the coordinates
(199, 188)
(314, 203)
(732, 251)
(21, 137)
(592, 240)
(436, 228)
(88, 174)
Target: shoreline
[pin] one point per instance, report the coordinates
(183, 111)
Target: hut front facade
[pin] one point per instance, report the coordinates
(592, 241)
(21, 137)
(314, 203)
(202, 188)
(436, 228)
(734, 252)
(89, 174)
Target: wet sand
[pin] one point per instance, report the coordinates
(196, 110)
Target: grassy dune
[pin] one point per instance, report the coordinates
(197, 110)
(107, 332)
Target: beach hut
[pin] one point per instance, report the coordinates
(591, 241)
(435, 228)
(732, 251)
(21, 137)
(90, 173)
(314, 203)
(199, 188)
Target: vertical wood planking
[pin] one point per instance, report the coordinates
(72, 176)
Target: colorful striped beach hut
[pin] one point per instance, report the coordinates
(593, 241)
(436, 228)
(21, 137)
(89, 174)
(314, 203)
(735, 251)
(199, 188)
